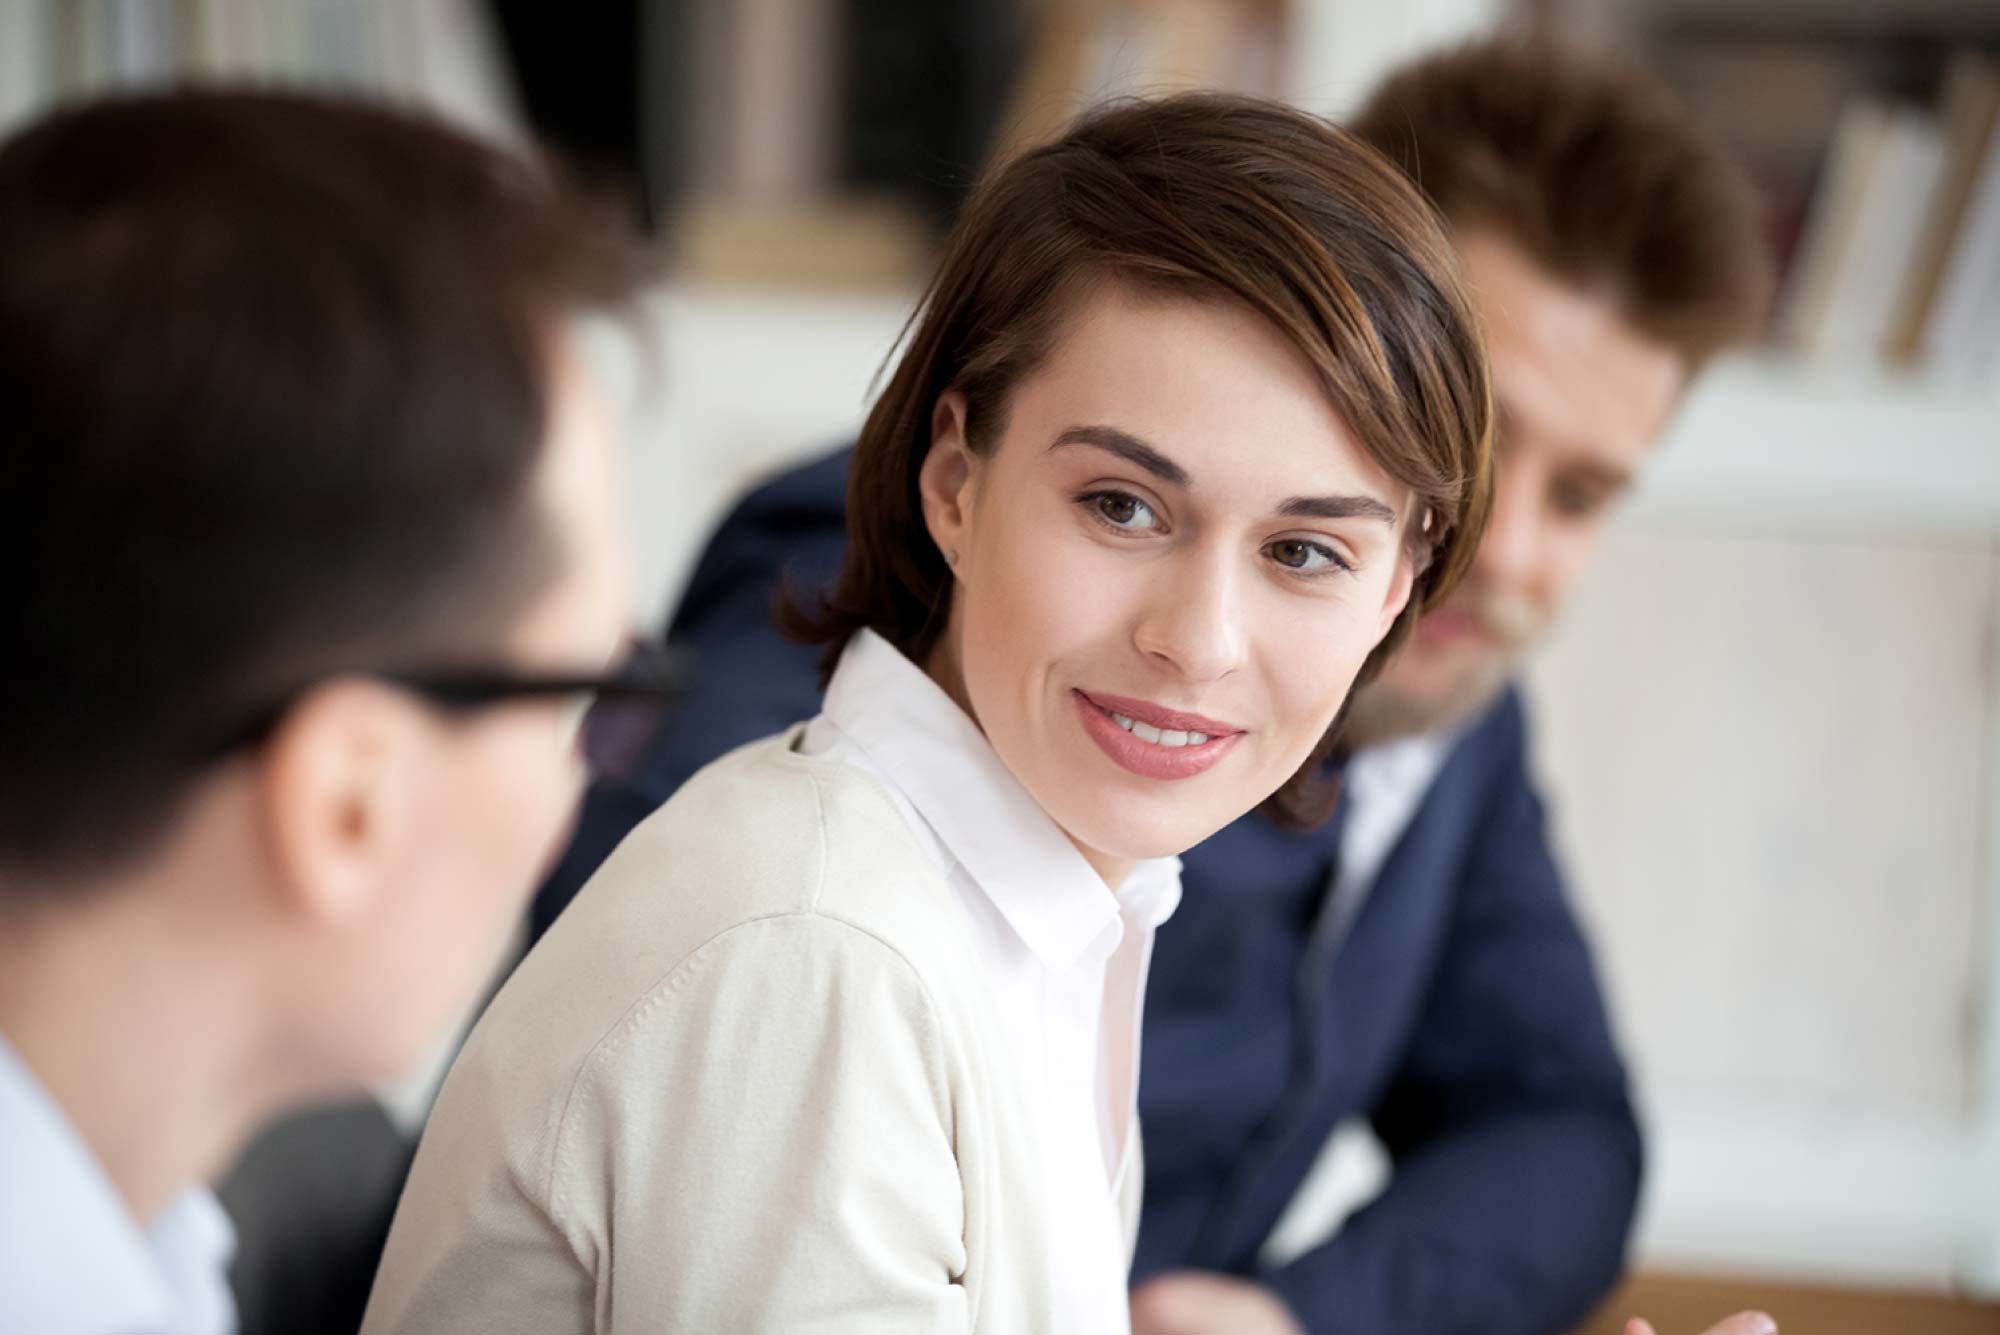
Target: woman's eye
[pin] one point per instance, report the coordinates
(1308, 557)
(1124, 511)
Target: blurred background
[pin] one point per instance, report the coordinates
(1770, 726)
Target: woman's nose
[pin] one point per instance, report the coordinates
(1193, 619)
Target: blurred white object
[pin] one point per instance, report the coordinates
(737, 385)
(1338, 50)
(1963, 338)
(1770, 758)
(1866, 224)
(438, 53)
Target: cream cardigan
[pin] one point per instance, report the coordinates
(749, 1081)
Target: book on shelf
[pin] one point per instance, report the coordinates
(766, 203)
(1971, 108)
(1961, 336)
(1836, 203)
(1900, 257)
(768, 98)
(1862, 239)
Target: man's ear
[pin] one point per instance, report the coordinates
(946, 481)
(338, 780)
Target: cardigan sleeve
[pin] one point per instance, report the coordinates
(765, 1144)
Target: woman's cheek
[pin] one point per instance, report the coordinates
(1316, 667)
(1058, 582)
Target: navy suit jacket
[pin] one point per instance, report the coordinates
(1459, 1012)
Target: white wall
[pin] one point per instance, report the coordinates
(728, 386)
(1768, 725)
(1768, 759)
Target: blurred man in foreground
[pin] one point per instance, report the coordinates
(1415, 963)
(305, 503)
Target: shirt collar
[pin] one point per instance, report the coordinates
(918, 736)
(1152, 892)
(75, 1258)
(1405, 765)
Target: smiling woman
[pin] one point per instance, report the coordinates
(1321, 274)
(844, 1037)
(1220, 562)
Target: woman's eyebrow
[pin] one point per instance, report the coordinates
(1338, 507)
(1137, 452)
(1129, 448)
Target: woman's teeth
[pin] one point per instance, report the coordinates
(1146, 732)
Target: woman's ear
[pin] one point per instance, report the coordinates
(945, 482)
(1401, 586)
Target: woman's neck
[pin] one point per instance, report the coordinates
(942, 666)
(1114, 871)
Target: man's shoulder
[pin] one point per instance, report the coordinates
(1487, 791)
(1491, 745)
(815, 488)
(1502, 723)
(795, 522)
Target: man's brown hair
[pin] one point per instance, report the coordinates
(1204, 196)
(277, 372)
(1592, 166)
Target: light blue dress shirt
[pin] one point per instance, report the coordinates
(73, 1260)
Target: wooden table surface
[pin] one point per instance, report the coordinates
(1690, 1304)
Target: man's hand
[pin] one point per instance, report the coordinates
(1743, 1323)
(1198, 1302)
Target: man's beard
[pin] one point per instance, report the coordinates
(1386, 709)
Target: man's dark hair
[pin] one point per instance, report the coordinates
(1591, 166)
(276, 370)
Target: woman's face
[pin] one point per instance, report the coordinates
(1170, 568)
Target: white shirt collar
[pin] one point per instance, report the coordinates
(74, 1259)
(916, 734)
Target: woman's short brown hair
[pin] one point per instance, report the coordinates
(1199, 195)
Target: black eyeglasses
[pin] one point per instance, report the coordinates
(619, 709)
(648, 673)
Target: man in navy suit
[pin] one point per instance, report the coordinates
(1415, 962)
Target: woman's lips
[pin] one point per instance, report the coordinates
(1145, 711)
(1155, 743)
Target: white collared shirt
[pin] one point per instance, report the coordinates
(1382, 788)
(73, 1260)
(1065, 957)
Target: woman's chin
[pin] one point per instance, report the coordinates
(1139, 831)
